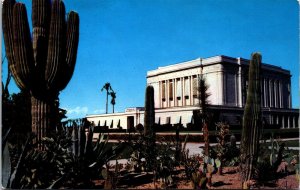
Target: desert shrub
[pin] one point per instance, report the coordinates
(275, 160)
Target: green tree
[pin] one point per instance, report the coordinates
(203, 104)
(107, 88)
(113, 99)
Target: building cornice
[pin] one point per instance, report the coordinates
(211, 61)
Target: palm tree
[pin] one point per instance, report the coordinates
(113, 99)
(106, 87)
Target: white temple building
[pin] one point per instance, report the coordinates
(176, 94)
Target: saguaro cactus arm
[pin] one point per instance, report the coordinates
(41, 13)
(7, 24)
(22, 43)
(71, 49)
(56, 46)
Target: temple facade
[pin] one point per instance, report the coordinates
(177, 96)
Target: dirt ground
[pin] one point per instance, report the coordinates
(229, 180)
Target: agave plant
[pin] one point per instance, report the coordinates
(90, 157)
(70, 159)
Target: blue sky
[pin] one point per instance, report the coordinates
(120, 40)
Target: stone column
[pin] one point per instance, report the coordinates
(288, 121)
(294, 123)
(280, 94)
(221, 93)
(270, 93)
(275, 95)
(262, 92)
(175, 94)
(167, 93)
(240, 95)
(267, 97)
(160, 94)
(283, 122)
(191, 90)
(290, 95)
(182, 91)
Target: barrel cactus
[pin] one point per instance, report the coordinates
(252, 122)
(44, 63)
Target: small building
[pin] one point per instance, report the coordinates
(176, 94)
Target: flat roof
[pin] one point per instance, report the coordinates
(209, 61)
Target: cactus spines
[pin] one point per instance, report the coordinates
(149, 114)
(251, 121)
(44, 64)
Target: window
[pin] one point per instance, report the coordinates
(171, 90)
(163, 91)
(186, 88)
(178, 92)
(195, 86)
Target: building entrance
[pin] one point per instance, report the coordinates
(130, 122)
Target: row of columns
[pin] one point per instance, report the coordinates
(285, 121)
(271, 93)
(178, 92)
(182, 95)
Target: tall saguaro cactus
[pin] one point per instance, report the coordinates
(43, 64)
(149, 131)
(251, 121)
(149, 114)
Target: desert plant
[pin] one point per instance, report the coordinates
(149, 114)
(209, 167)
(69, 159)
(199, 180)
(149, 133)
(44, 65)
(111, 175)
(14, 178)
(166, 161)
(221, 146)
(203, 103)
(90, 157)
(251, 122)
(6, 163)
(274, 160)
(47, 168)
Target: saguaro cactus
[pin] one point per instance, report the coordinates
(149, 131)
(43, 64)
(251, 122)
(149, 114)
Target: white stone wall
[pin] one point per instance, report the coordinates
(227, 82)
(227, 79)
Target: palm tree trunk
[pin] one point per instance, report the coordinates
(113, 108)
(106, 101)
